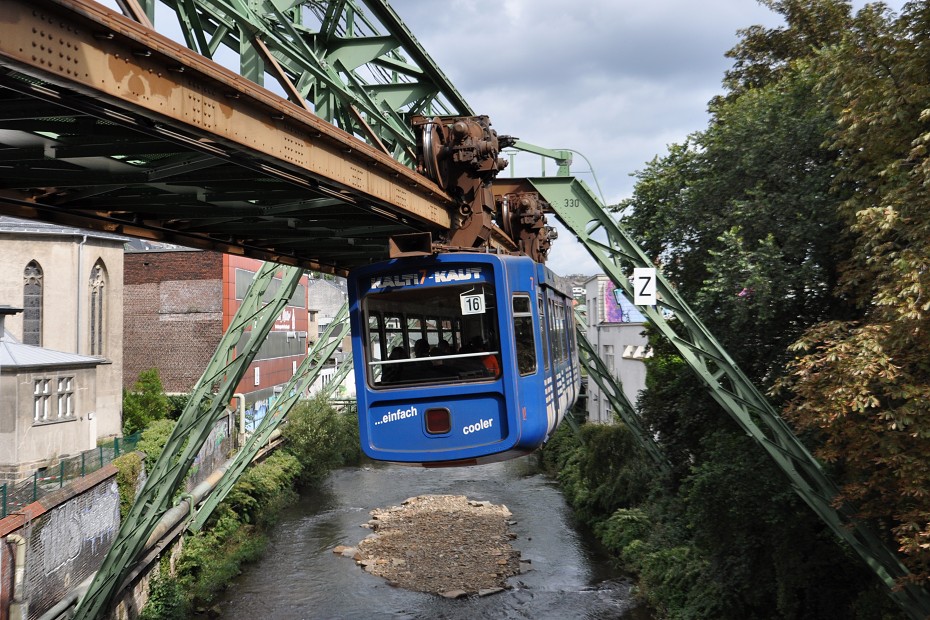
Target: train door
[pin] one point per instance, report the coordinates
(545, 329)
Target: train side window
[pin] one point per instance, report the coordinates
(560, 328)
(554, 339)
(543, 332)
(376, 337)
(523, 334)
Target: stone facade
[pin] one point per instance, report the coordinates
(79, 310)
(35, 436)
(173, 315)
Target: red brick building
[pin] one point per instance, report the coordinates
(179, 303)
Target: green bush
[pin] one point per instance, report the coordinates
(674, 581)
(166, 600)
(128, 470)
(622, 529)
(321, 438)
(153, 440)
(264, 488)
(600, 469)
(145, 403)
(176, 404)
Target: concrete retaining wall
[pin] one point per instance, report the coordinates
(67, 534)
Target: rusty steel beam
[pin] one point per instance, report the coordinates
(90, 49)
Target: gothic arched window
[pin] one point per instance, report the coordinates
(98, 281)
(32, 304)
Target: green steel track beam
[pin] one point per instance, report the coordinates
(616, 252)
(338, 377)
(611, 388)
(208, 400)
(353, 62)
(306, 374)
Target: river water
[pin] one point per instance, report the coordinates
(300, 577)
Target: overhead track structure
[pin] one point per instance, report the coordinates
(106, 124)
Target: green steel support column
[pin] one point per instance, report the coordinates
(616, 252)
(251, 65)
(613, 390)
(306, 374)
(215, 387)
(339, 376)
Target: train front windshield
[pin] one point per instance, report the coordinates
(436, 334)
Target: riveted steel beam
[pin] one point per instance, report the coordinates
(208, 400)
(85, 47)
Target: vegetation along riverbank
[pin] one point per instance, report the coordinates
(318, 438)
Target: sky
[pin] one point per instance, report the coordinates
(616, 80)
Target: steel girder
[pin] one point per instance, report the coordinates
(616, 252)
(352, 62)
(118, 128)
(209, 398)
(306, 374)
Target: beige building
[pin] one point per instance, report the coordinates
(47, 404)
(69, 283)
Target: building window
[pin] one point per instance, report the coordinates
(98, 280)
(609, 358)
(32, 304)
(46, 410)
(40, 395)
(65, 397)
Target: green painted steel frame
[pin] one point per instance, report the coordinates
(616, 252)
(215, 389)
(612, 389)
(306, 374)
(353, 62)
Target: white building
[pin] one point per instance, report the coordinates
(61, 356)
(615, 330)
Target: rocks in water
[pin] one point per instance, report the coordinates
(444, 544)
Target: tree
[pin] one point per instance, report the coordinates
(863, 384)
(746, 219)
(145, 403)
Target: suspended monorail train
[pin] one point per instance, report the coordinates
(461, 358)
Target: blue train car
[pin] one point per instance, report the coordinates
(461, 358)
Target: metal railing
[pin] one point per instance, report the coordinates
(13, 496)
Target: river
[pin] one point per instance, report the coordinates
(300, 577)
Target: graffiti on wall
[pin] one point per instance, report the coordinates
(68, 543)
(71, 526)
